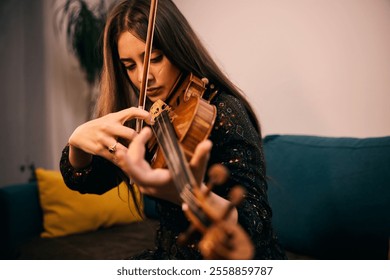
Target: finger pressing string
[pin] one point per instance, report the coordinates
(144, 136)
(201, 153)
(200, 158)
(131, 113)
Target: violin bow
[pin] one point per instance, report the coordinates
(148, 52)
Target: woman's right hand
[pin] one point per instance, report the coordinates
(96, 136)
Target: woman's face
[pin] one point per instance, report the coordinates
(162, 73)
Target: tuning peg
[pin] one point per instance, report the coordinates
(218, 175)
(236, 194)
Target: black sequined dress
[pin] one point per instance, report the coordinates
(237, 145)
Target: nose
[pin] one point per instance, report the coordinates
(141, 74)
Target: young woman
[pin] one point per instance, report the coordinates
(102, 150)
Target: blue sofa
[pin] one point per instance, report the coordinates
(21, 223)
(330, 196)
(330, 200)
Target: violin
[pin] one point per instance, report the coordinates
(221, 239)
(179, 126)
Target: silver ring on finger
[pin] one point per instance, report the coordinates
(112, 149)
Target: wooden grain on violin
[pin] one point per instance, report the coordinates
(192, 117)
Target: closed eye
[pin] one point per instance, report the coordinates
(157, 59)
(129, 67)
(128, 63)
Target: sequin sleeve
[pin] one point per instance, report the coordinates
(238, 146)
(99, 177)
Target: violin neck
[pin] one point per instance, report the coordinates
(177, 163)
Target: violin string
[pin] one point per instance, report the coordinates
(167, 147)
(177, 163)
(173, 159)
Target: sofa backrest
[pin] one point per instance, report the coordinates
(330, 196)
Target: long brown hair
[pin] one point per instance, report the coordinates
(173, 36)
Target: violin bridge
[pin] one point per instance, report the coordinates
(158, 107)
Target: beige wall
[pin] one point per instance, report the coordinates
(309, 66)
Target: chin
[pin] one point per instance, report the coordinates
(153, 99)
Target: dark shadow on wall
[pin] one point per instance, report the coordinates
(23, 116)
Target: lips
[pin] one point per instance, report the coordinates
(152, 91)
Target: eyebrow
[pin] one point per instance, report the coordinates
(126, 59)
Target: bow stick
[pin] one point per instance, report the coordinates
(148, 52)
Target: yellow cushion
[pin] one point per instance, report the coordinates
(67, 212)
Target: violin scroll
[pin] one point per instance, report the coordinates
(225, 240)
(222, 239)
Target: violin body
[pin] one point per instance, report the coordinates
(192, 117)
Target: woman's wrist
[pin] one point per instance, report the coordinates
(78, 158)
(69, 172)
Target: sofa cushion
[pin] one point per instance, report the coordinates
(68, 212)
(330, 196)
